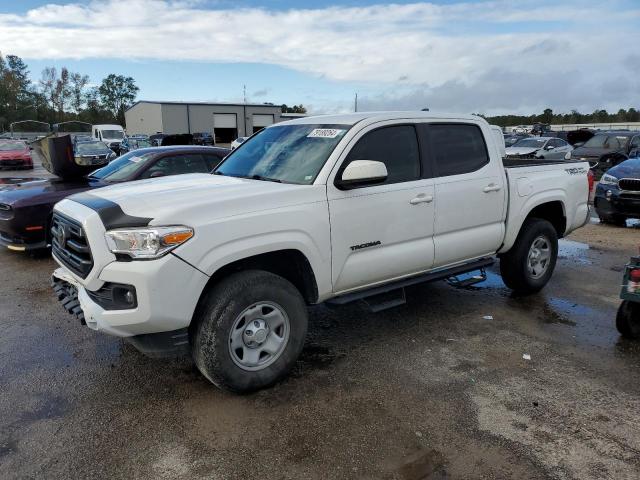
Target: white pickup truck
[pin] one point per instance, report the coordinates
(319, 209)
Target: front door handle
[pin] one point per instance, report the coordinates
(492, 187)
(422, 198)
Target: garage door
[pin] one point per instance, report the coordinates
(262, 120)
(224, 120)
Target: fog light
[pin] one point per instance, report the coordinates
(608, 194)
(129, 298)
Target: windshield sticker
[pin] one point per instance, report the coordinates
(325, 133)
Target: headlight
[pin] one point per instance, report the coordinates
(147, 243)
(608, 180)
(567, 156)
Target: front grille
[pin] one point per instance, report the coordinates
(69, 245)
(629, 184)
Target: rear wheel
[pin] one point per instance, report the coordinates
(528, 266)
(628, 319)
(249, 331)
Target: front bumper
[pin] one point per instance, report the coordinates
(168, 290)
(14, 163)
(617, 203)
(20, 236)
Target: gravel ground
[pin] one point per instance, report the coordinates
(437, 388)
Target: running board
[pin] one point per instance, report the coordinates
(442, 274)
(467, 282)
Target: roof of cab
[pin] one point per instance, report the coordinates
(353, 118)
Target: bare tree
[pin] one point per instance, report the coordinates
(78, 84)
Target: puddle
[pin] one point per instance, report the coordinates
(52, 407)
(575, 251)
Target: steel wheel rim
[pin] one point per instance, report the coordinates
(258, 336)
(539, 257)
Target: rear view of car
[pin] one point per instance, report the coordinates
(15, 154)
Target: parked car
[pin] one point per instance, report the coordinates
(15, 154)
(549, 148)
(92, 153)
(156, 139)
(511, 138)
(237, 142)
(203, 138)
(111, 135)
(320, 209)
(628, 317)
(26, 206)
(130, 144)
(540, 129)
(607, 149)
(618, 193)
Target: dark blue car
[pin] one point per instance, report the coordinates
(618, 193)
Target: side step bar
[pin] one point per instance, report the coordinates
(444, 274)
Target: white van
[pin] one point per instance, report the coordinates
(111, 135)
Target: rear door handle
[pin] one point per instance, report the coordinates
(422, 198)
(491, 188)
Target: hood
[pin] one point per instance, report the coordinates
(591, 152)
(58, 158)
(627, 169)
(15, 153)
(178, 199)
(521, 150)
(17, 190)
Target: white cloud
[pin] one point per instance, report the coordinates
(457, 51)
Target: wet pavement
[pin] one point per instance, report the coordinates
(437, 388)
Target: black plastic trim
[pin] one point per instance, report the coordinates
(162, 344)
(110, 212)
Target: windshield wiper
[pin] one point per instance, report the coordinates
(266, 179)
(250, 177)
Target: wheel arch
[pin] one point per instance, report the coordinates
(550, 209)
(290, 263)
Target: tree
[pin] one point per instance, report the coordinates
(117, 93)
(78, 84)
(295, 109)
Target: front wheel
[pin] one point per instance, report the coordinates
(528, 266)
(249, 330)
(628, 319)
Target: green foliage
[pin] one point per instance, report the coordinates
(295, 109)
(547, 116)
(117, 93)
(60, 96)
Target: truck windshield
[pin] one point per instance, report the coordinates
(124, 167)
(286, 153)
(112, 134)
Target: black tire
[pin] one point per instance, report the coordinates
(216, 315)
(628, 320)
(513, 264)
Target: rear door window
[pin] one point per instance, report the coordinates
(395, 146)
(456, 148)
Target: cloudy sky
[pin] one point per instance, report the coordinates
(476, 56)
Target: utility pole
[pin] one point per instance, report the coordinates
(356, 103)
(244, 93)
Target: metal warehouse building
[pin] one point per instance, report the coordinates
(227, 121)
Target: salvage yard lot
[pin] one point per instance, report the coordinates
(434, 389)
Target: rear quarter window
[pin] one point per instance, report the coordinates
(456, 148)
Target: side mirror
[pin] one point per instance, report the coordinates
(156, 174)
(549, 147)
(362, 172)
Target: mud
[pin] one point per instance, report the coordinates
(434, 389)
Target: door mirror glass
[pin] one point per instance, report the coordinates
(360, 172)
